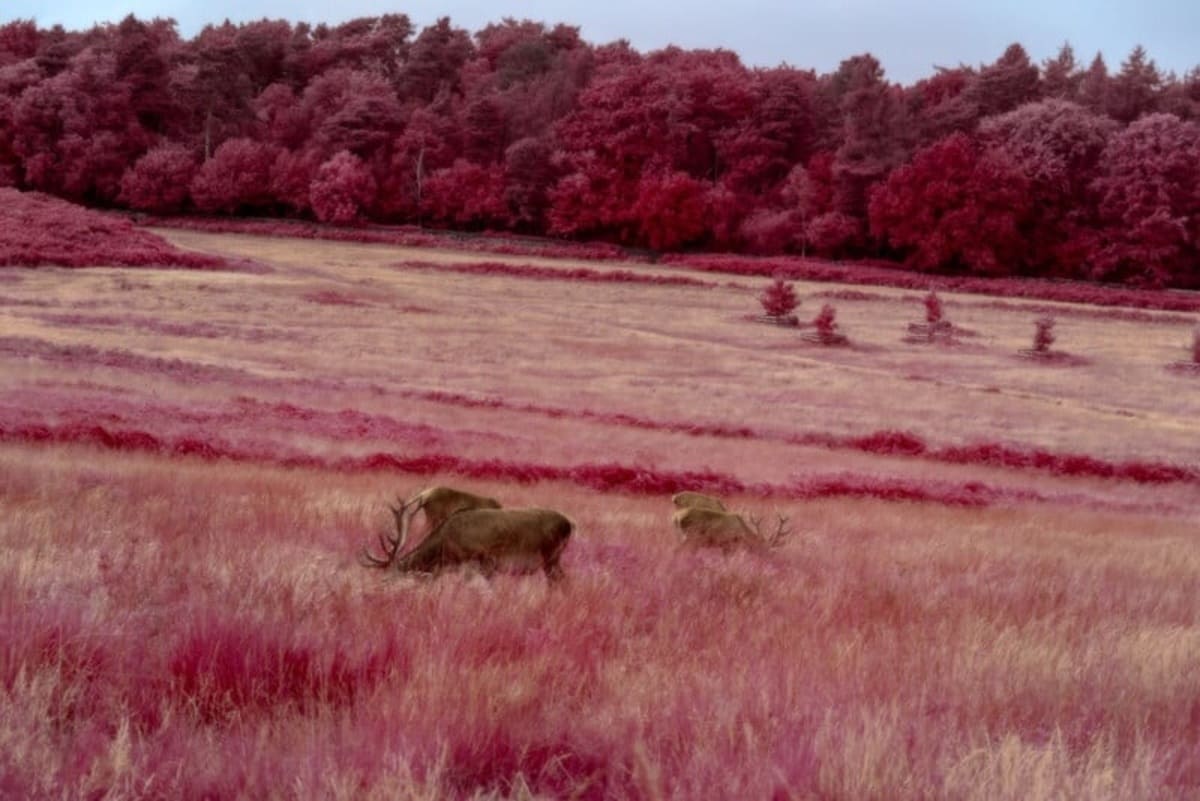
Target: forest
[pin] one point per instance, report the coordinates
(1060, 169)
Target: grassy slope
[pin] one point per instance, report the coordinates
(181, 626)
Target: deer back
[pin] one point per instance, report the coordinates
(711, 527)
(696, 500)
(439, 503)
(490, 537)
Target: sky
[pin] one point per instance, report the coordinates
(908, 38)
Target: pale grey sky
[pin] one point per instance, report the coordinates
(909, 38)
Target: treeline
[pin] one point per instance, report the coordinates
(1010, 168)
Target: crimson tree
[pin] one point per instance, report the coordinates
(1056, 146)
(670, 210)
(342, 189)
(933, 308)
(237, 177)
(1149, 193)
(1043, 334)
(466, 194)
(954, 206)
(778, 300)
(158, 181)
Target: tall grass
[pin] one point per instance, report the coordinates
(204, 632)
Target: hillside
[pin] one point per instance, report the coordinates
(988, 592)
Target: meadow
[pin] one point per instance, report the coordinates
(990, 591)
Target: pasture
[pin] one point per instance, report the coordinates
(990, 591)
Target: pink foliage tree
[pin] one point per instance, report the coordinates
(936, 327)
(467, 194)
(1009, 82)
(870, 147)
(77, 132)
(670, 210)
(428, 143)
(778, 300)
(19, 40)
(14, 80)
(237, 177)
(292, 175)
(592, 200)
(769, 232)
(826, 327)
(1001, 169)
(528, 174)
(349, 110)
(1043, 334)
(833, 233)
(158, 181)
(342, 189)
(1056, 146)
(933, 308)
(954, 207)
(1149, 193)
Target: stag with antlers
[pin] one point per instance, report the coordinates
(486, 536)
(704, 527)
(438, 504)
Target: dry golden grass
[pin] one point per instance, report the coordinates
(673, 352)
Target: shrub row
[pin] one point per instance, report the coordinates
(604, 477)
(884, 443)
(1108, 313)
(866, 274)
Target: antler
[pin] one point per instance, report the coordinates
(781, 533)
(391, 545)
(772, 540)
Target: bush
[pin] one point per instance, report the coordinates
(342, 189)
(37, 229)
(826, 327)
(778, 300)
(933, 308)
(799, 269)
(237, 177)
(158, 182)
(1043, 335)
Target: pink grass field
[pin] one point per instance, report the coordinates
(990, 591)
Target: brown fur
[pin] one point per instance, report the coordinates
(711, 528)
(699, 526)
(439, 503)
(696, 500)
(492, 538)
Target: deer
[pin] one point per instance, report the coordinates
(438, 503)
(487, 538)
(703, 527)
(696, 500)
